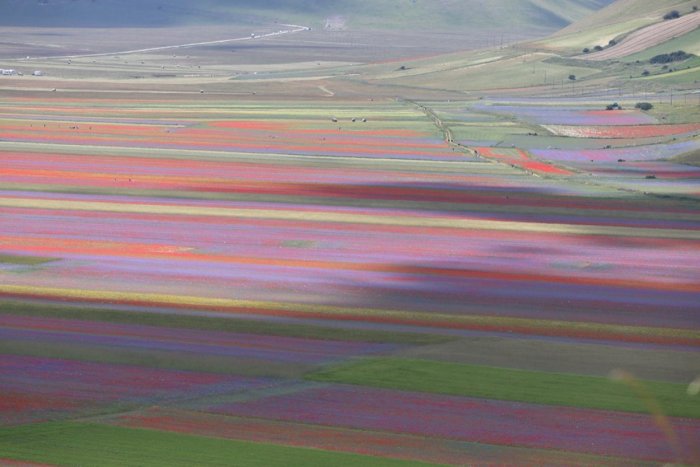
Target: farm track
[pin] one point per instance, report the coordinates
(448, 137)
(543, 167)
(647, 37)
(295, 29)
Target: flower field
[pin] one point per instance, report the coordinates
(479, 420)
(639, 153)
(518, 158)
(339, 283)
(548, 114)
(623, 131)
(81, 387)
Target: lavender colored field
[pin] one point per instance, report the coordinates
(559, 115)
(143, 339)
(45, 388)
(641, 153)
(381, 444)
(477, 420)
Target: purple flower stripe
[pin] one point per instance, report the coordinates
(145, 338)
(477, 420)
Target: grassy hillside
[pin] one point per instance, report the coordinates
(613, 22)
(553, 60)
(545, 15)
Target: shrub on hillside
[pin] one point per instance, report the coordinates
(644, 106)
(673, 14)
(572, 77)
(586, 50)
(597, 48)
(676, 56)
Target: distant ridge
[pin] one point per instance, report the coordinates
(448, 15)
(622, 11)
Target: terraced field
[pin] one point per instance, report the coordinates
(335, 282)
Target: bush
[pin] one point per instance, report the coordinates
(586, 50)
(645, 73)
(572, 77)
(643, 106)
(597, 48)
(612, 42)
(676, 56)
(673, 14)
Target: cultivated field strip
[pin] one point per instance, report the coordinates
(243, 278)
(648, 37)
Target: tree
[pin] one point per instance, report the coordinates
(572, 77)
(643, 106)
(677, 56)
(673, 14)
(645, 73)
(586, 50)
(597, 48)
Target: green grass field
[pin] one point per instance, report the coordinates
(208, 323)
(24, 260)
(94, 444)
(510, 384)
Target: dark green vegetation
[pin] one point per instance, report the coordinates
(93, 444)
(510, 384)
(690, 158)
(24, 260)
(189, 321)
(677, 56)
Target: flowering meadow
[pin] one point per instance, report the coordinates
(342, 283)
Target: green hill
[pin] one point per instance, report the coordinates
(546, 65)
(614, 22)
(502, 15)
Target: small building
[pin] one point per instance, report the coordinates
(8, 72)
(37, 73)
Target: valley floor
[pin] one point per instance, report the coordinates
(186, 280)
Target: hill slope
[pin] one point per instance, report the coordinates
(548, 64)
(614, 22)
(535, 15)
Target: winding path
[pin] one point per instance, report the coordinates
(294, 28)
